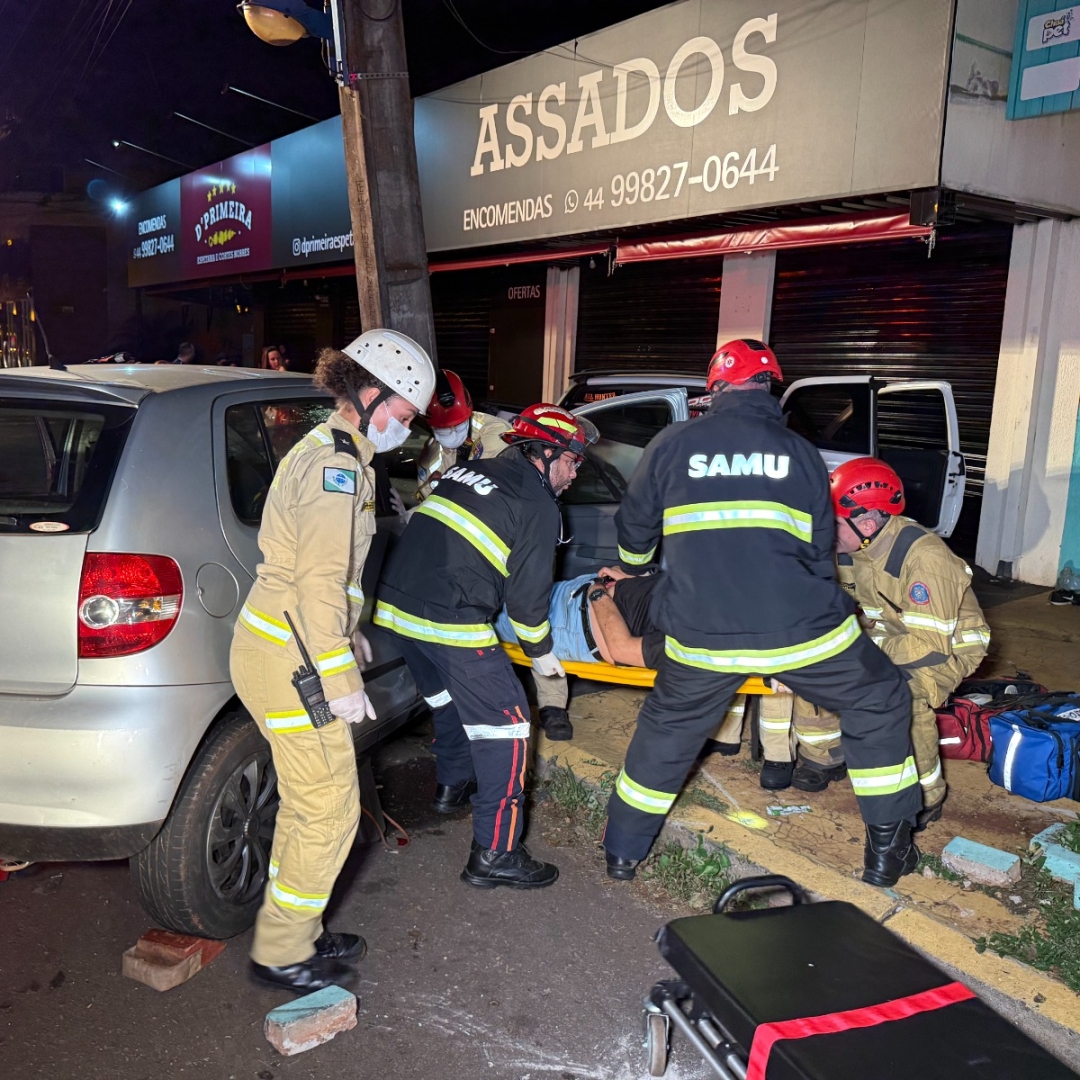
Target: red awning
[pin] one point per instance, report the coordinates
(552, 256)
(816, 233)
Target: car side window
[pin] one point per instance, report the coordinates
(625, 431)
(287, 422)
(248, 463)
(833, 416)
(257, 437)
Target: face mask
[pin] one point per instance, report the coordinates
(391, 437)
(452, 438)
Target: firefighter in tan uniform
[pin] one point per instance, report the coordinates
(315, 535)
(917, 606)
(460, 432)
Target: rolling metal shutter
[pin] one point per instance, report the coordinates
(887, 309)
(461, 300)
(650, 316)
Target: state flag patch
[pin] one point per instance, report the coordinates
(343, 480)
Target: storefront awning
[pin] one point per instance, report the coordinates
(819, 232)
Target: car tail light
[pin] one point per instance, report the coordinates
(127, 603)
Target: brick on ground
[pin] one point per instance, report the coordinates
(980, 863)
(162, 959)
(310, 1021)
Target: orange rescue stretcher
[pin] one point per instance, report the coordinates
(601, 671)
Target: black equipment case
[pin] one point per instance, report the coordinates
(744, 976)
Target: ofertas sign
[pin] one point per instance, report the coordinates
(700, 107)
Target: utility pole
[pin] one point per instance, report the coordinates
(384, 186)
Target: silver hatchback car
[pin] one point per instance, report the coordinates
(130, 500)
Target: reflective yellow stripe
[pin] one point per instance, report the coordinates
(815, 737)
(534, 634)
(738, 515)
(469, 527)
(334, 663)
(298, 901)
(775, 725)
(928, 622)
(321, 436)
(932, 777)
(643, 798)
(289, 720)
(631, 559)
(354, 592)
(274, 867)
(889, 780)
(971, 639)
(766, 661)
(258, 622)
(466, 634)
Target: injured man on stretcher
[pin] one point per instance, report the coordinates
(605, 618)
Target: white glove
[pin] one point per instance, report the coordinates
(354, 708)
(396, 503)
(361, 648)
(548, 664)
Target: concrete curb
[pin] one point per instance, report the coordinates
(1038, 992)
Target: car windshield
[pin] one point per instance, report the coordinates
(56, 462)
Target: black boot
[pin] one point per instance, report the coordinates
(929, 814)
(809, 777)
(340, 946)
(724, 749)
(776, 775)
(890, 853)
(620, 869)
(516, 869)
(556, 723)
(315, 974)
(450, 799)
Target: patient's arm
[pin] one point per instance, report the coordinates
(612, 635)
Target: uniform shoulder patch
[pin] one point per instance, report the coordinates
(919, 593)
(343, 480)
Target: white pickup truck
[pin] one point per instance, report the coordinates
(911, 424)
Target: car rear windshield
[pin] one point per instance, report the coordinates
(56, 463)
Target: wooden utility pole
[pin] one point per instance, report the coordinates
(384, 186)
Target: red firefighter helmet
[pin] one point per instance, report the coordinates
(863, 484)
(553, 426)
(451, 404)
(741, 360)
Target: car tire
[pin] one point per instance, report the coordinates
(206, 870)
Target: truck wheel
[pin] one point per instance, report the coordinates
(205, 872)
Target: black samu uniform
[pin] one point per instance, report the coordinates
(743, 508)
(485, 537)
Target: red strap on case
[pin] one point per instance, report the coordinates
(830, 1023)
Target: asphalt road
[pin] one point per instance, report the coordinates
(458, 982)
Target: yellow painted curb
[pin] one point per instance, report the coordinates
(942, 942)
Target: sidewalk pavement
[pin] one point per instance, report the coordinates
(822, 848)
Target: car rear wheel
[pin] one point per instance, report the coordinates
(205, 872)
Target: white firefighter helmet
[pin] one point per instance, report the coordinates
(398, 362)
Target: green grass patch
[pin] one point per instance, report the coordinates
(694, 875)
(583, 802)
(1052, 942)
(695, 796)
(1069, 837)
(937, 868)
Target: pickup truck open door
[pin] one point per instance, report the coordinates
(911, 424)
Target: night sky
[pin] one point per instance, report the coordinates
(77, 74)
